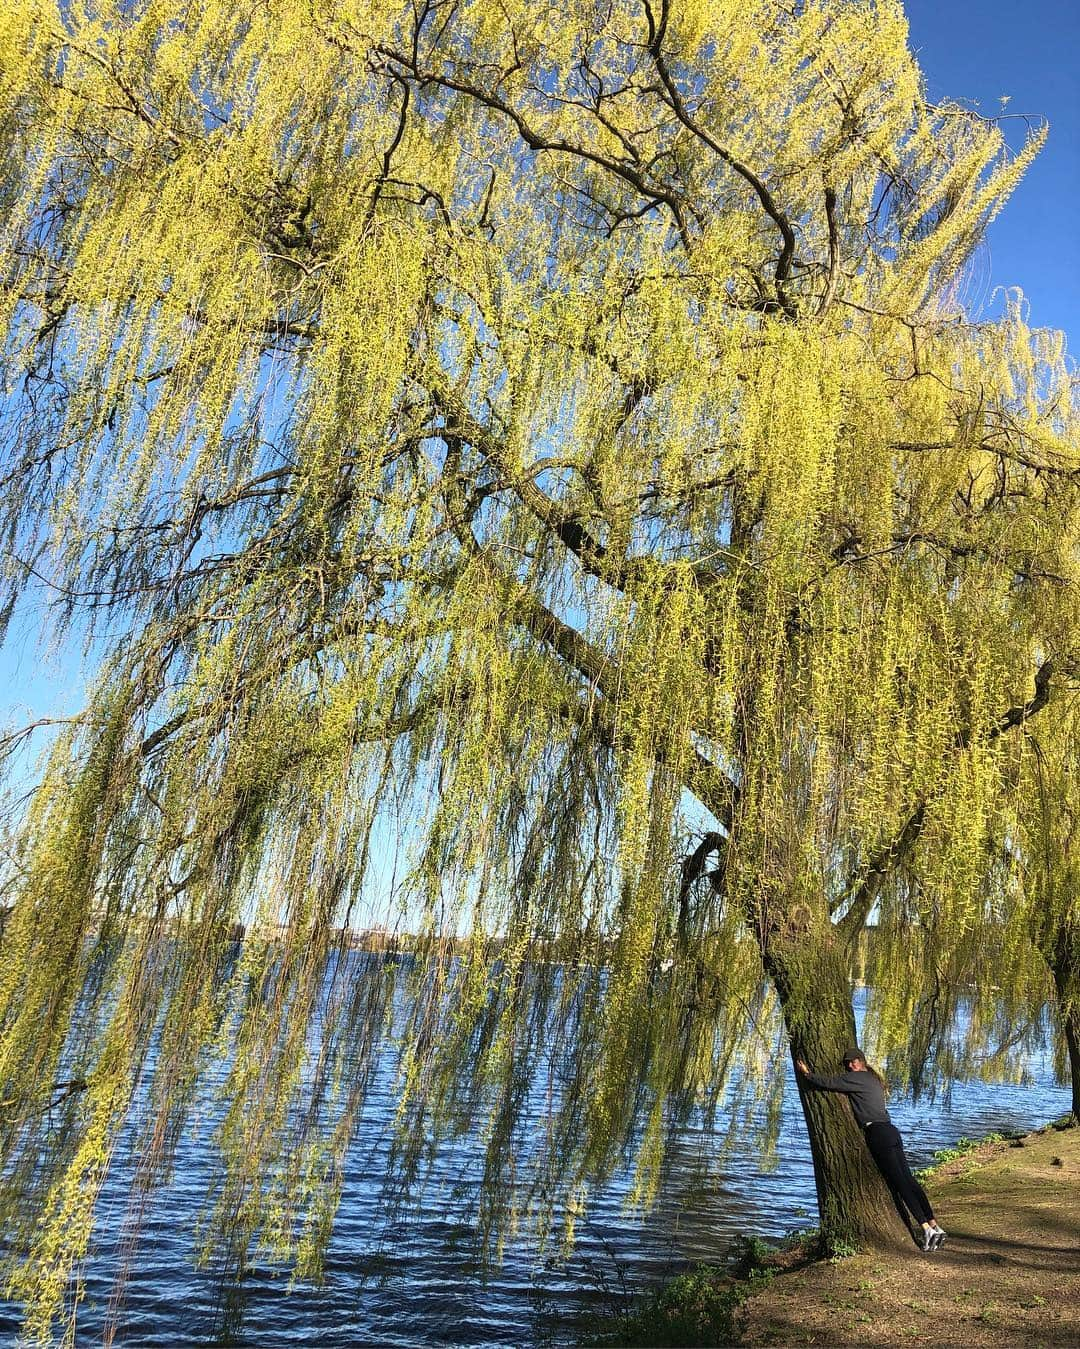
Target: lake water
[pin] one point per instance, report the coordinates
(420, 1285)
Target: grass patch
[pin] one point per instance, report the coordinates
(962, 1148)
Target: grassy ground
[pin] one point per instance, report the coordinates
(1009, 1274)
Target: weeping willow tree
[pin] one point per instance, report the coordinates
(544, 444)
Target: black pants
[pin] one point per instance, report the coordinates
(887, 1149)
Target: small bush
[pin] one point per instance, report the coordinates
(750, 1253)
(755, 1255)
(840, 1250)
(698, 1307)
(694, 1309)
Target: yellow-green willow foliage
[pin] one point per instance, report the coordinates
(530, 463)
(1046, 860)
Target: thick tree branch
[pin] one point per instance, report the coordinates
(706, 780)
(859, 895)
(833, 276)
(782, 272)
(628, 172)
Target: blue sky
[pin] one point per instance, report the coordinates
(973, 50)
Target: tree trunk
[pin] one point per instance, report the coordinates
(813, 984)
(1065, 982)
(1072, 1043)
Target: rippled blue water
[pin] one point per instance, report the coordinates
(420, 1285)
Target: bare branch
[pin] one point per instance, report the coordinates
(628, 172)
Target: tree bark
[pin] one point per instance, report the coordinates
(1072, 1044)
(1065, 982)
(812, 981)
(1059, 944)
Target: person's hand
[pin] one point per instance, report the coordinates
(801, 1067)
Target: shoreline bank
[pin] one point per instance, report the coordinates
(1008, 1275)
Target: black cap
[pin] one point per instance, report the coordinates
(854, 1053)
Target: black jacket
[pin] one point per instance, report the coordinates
(867, 1096)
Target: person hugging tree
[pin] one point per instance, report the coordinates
(865, 1088)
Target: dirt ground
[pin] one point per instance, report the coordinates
(1008, 1275)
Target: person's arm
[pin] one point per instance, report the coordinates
(840, 1083)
